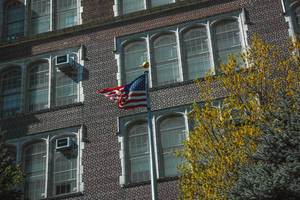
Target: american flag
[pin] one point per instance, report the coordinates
(128, 96)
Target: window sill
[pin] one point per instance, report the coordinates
(64, 196)
(19, 115)
(160, 180)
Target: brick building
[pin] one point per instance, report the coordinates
(55, 54)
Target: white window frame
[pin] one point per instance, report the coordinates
(288, 7)
(25, 63)
(124, 122)
(49, 138)
(179, 29)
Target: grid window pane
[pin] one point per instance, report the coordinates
(66, 88)
(11, 93)
(35, 162)
(65, 170)
(66, 13)
(135, 54)
(155, 3)
(40, 16)
(166, 61)
(15, 21)
(130, 6)
(297, 15)
(196, 52)
(139, 153)
(38, 87)
(227, 37)
(172, 134)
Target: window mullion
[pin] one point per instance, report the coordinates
(179, 55)
(150, 58)
(23, 87)
(52, 15)
(47, 166)
(212, 57)
(50, 85)
(156, 149)
(26, 18)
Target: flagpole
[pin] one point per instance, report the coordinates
(151, 146)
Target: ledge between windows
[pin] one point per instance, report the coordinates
(19, 115)
(160, 180)
(64, 196)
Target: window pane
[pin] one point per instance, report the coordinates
(11, 93)
(172, 134)
(35, 162)
(166, 61)
(155, 3)
(66, 13)
(297, 15)
(15, 21)
(134, 56)
(196, 52)
(40, 16)
(66, 88)
(38, 87)
(133, 5)
(139, 153)
(65, 170)
(227, 37)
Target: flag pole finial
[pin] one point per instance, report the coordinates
(145, 64)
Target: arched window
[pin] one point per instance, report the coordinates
(40, 16)
(14, 20)
(38, 86)
(64, 170)
(297, 17)
(172, 134)
(66, 13)
(166, 60)
(227, 39)
(35, 166)
(138, 148)
(66, 87)
(196, 52)
(135, 54)
(155, 3)
(11, 92)
(130, 6)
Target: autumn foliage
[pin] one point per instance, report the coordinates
(227, 129)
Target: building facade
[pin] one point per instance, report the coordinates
(55, 54)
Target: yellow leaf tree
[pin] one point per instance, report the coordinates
(227, 126)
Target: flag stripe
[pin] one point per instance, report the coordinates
(128, 96)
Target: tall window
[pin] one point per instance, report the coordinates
(130, 6)
(138, 148)
(66, 87)
(166, 60)
(172, 134)
(14, 20)
(134, 55)
(40, 16)
(35, 166)
(227, 39)
(65, 170)
(38, 86)
(196, 52)
(11, 93)
(66, 13)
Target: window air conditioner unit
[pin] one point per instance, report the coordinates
(63, 144)
(64, 63)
